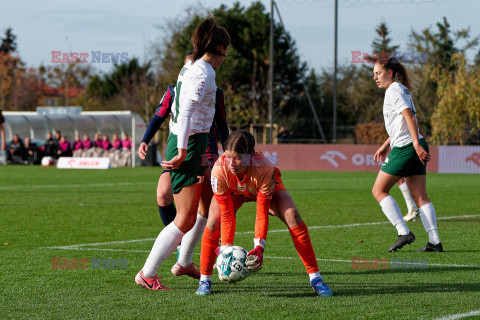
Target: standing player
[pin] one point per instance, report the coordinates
(218, 130)
(190, 123)
(241, 175)
(2, 132)
(408, 157)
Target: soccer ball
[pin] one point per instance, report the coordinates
(231, 264)
(47, 161)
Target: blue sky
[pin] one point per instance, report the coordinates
(129, 26)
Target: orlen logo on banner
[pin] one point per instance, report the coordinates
(475, 158)
(358, 159)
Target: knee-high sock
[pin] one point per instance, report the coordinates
(303, 244)
(393, 213)
(167, 241)
(429, 220)
(167, 213)
(190, 241)
(408, 197)
(207, 254)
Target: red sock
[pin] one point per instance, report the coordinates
(301, 241)
(207, 253)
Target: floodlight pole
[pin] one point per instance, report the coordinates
(334, 127)
(270, 77)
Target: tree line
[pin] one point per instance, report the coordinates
(448, 99)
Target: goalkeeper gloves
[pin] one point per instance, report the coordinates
(255, 259)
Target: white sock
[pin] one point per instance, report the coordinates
(393, 213)
(408, 197)
(190, 241)
(205, 277)
(166, 243)
(429, 220)
(313, 275)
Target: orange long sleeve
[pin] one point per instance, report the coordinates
(261, 220)
(227, 218)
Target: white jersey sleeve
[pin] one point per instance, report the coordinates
(194, 101)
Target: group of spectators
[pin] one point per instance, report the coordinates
(25, 152)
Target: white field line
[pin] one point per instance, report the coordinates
(460, 315)
(251, 232)
(268, 257)
(118, 184)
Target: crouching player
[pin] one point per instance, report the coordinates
(241, 175)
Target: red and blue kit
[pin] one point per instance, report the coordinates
(218, 130)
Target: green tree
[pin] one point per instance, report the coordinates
(440, 46)
(244, 75)
(8, 43)
(457, 116)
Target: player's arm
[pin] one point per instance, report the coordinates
(381, 153)
(2, 135)
(184, 118)
(221, 118)
(413, 128)
(161, 113)
(227, 218)
(225, 201)
(264, 199)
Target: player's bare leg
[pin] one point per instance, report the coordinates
(184, 265)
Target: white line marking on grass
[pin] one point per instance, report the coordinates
(251, 232)
(118, 184)
(461, 315)
(361, 224)
(266, 257)
(100, 244)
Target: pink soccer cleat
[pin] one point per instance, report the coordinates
(152, 283)
(190, 271)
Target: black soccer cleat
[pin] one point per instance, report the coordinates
(431, 248)
(401, 241)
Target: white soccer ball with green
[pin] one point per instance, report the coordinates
(231, 264)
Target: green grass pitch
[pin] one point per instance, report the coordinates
(89, 214)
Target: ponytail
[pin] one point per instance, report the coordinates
(399, 71)
(207, 37)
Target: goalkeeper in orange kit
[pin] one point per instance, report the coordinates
(240, 175)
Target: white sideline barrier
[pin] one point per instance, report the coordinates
(459, 159)
(83, 163)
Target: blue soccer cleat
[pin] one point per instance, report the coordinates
(321, 288)
(204, 288)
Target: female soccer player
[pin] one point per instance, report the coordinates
(218, 131)
(408, 157)
(189, 125)
(240, 175)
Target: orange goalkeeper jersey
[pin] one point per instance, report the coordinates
(257, 185)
